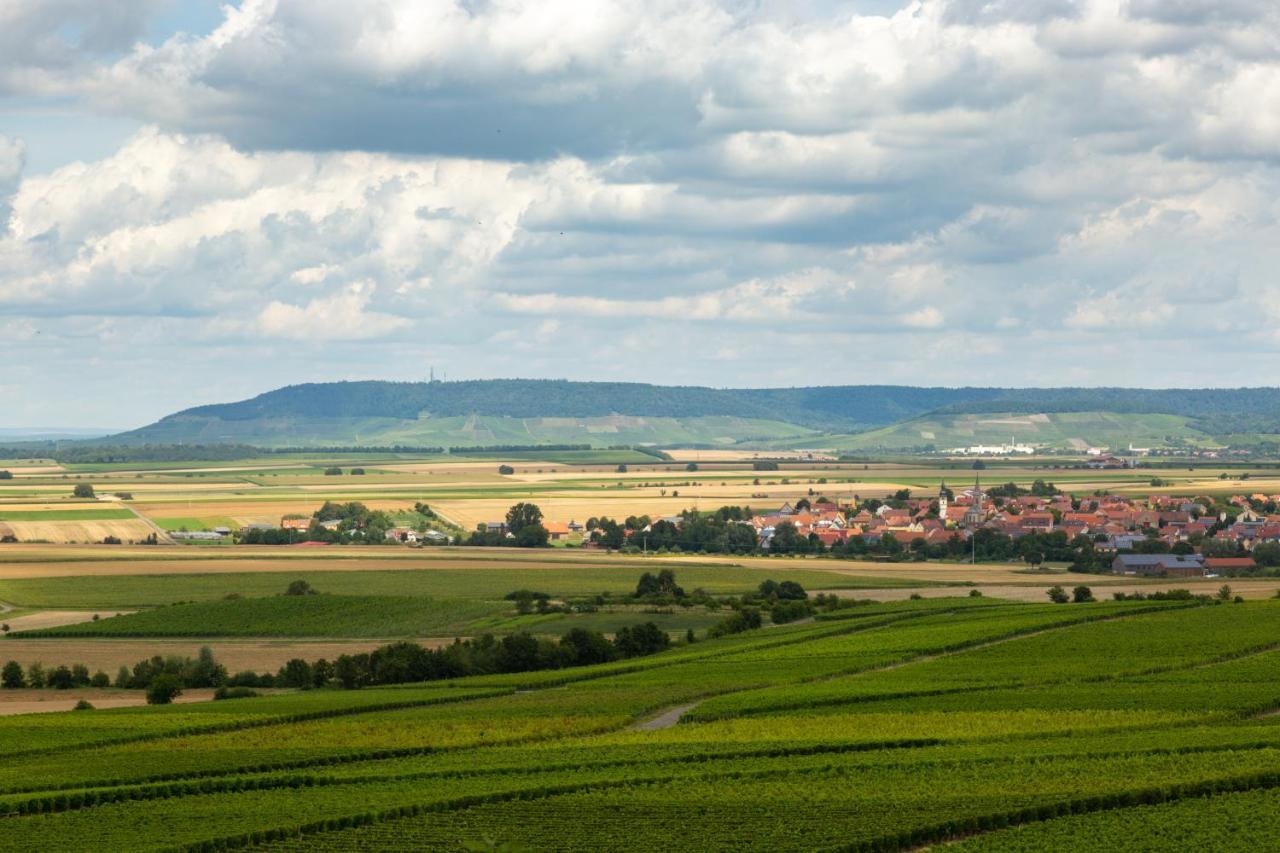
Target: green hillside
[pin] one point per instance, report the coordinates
(604, 414)
(471, 430)
(1059, 431)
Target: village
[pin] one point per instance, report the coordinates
(1162, 535)
(1159, 536)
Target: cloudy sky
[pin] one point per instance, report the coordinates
(199, 202)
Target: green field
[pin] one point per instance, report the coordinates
(1105, 726)
(356, 616)
(291, 616)
(65, 515)
(192, 523)
(480, 583)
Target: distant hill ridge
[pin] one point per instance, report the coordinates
(476, 411)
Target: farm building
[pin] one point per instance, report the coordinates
(1218, 565)
(197, 535)
(1170, 565)
(556, 530)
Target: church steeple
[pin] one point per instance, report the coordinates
(943, 500)
(974, 516)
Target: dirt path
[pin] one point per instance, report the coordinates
(162, 535)
(666, 719)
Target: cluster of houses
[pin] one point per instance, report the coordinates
(916, 518)
(1115, 523)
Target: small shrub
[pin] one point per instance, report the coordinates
(163, 689)
(789, 611)
(299, 587)
(746, 619)
(1057, 595)
(12, 676)
(83, 705)
(61, 679)
(975, 593)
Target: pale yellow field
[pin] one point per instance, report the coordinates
(582, 504)
(109, 655)
(128, 530)
(32, 470)
(54, 619)
(251, 512)
(196, 488)
(48, 701)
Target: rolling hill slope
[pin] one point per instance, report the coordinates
(1059, 430)
(531, 412)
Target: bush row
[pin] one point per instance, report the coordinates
(959, 827)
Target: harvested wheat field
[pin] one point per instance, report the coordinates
(14, 702)
(56, 619)
(109, 655)
(87, 532)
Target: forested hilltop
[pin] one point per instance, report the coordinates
(534, 411)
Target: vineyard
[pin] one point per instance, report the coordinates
(991, 725)
(289, 616)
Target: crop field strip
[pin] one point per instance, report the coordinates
(488, 581)
(572, 485)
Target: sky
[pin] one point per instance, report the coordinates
(200, 201)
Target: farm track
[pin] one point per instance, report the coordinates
(162, 535)
(666, 719)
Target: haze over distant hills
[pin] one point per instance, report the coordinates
(852, 417)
